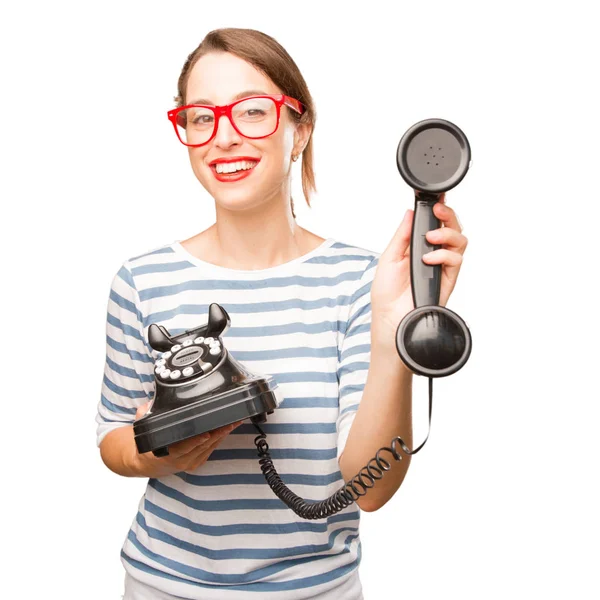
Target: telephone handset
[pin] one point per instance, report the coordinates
(200, 386)
(433, 157)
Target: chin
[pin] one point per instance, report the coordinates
(238, 201)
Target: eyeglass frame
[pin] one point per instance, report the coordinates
(219, 111)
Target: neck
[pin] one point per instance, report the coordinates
(258, 237)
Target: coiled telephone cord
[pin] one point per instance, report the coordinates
(344, 496)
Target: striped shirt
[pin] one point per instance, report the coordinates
(220, 531)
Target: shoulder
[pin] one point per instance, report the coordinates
(151, 255)
(355, 257)
(152, 259)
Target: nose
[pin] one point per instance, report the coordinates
(226, 133)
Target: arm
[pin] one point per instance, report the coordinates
(384, 412)
(128, 381)
(119, 454)
(385, 408)
(375, 396)
(127, 389)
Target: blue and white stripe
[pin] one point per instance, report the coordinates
(221, 532)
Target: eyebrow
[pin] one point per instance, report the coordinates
(236, 97)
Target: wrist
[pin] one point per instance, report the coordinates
(383, 332)
(131, 465)
(135, 463)
(386, 353)
(383, 343)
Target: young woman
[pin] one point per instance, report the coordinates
(317, 314)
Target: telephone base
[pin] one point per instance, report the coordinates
(261, 418)
(155, 432)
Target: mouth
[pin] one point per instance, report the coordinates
(243, 169)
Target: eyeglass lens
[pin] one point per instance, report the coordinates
(255, 117)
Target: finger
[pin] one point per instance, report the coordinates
(142, 410)
(400, 242)
(201, 454)
(215, 435)
(443, 257)
(216, 438)
(198, 450)
(226, 428)
(448, 237)
(222, 429)
(186, 446)
(447, 216)
(198, 458)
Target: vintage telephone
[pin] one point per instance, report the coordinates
(200, 386)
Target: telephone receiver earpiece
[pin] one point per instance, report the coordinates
(433, 157)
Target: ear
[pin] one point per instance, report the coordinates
(301, 136)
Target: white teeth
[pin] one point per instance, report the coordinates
(236, 166)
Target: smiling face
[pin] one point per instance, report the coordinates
(223, 78)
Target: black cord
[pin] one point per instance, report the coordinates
(343, 497)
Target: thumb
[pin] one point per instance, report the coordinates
(142, 410)
(400, 242)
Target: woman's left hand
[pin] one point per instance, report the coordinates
(391, 293)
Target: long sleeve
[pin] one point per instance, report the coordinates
(128, 380)
(354, 355)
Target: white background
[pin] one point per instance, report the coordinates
(503, 500)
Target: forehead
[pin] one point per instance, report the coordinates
(220, 77)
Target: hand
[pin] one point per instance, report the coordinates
(391, 293)
(186, 455)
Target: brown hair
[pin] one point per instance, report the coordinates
(268, 56)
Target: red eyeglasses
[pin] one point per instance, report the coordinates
(254, 117)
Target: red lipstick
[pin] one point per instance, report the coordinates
(229, 159)
(230, 177)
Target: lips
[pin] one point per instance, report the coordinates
(230, 177)
(231, 159)
(227, 177)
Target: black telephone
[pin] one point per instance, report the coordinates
(200, 386)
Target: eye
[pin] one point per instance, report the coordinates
(201, 119)
(255, 112)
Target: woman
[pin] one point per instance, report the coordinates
(318, 314)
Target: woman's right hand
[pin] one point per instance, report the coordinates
(186, 455)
